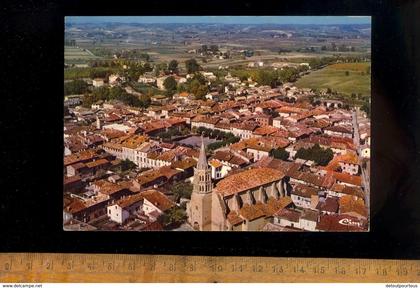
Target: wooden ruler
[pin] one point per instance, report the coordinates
(41, 268)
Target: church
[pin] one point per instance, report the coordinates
(243, 201)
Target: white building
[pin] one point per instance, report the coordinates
(159, 113)
(287, 218)
(365, 152)
(118, 127)
(349, 168)
(98, 82)
(124, 208)
(302, 195)
(308, 220)
(115, 79)
(145, 79)
(155, 204)
(209, 75)
(218, 169)
(160, 81)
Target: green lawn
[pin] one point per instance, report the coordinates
(334, 77)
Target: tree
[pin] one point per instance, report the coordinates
(99, 73)
(147, 67)
(170, 83)
(75, 87)
(173, 66)
(145, 101)
(127, 165)
(173, 217)
(115, 92)
(216, 145)
(201, 92)
(192, 66)
(181, 88)
(182, 190)
(200, 78)
(214, 48)
(265, 77)
(101, 93)
(317, 154)
(281, 154)
(366, 108)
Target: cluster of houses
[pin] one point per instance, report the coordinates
(246, 187)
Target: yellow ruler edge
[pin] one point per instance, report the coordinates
(60, 267)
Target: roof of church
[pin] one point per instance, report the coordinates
(248, 179)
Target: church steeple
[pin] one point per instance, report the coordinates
(202, 159)
(199, 208)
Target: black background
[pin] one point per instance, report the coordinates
(31, 138)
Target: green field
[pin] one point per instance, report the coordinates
(335, 78)
(77, 55)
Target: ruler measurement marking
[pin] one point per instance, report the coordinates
(202, 267)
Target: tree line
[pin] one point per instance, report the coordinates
(75, 87)
(226, 138)
(115, 93)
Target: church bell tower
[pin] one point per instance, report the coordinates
(199, 208)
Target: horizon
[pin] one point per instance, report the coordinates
(238, 20)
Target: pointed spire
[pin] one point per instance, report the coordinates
(202, 159)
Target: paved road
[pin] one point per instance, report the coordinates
(365, 177)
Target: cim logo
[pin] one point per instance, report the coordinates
(349, 222)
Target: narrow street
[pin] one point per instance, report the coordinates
(365, 178)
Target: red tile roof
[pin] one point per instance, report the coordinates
(329, 205)
(349, 179)
(129, 200)
(341, 223)
(305, 191)
(81, 156)
(251, 212)
(248, 179)
(158, 199)
(288, 214)
(349, 204)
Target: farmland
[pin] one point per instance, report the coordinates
(74, 55)
(335, 77)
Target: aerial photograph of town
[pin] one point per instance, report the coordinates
(217, 123)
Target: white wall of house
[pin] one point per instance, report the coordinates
(216, 172)
(117, 214)
(202, 124)
(243, 134)
(352, 169)
(97, 82)
(115, 152)
(149, 207)
(67, 151)
(258, 154)
(70, 171)
(307, 224)
(331, 193)
(338, 134)
(285, 222)
(277, 123)
(365, 152)
(300, 201)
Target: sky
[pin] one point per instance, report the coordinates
(223, 19)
